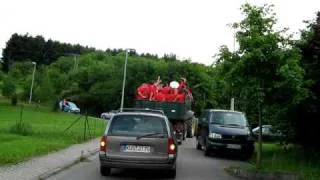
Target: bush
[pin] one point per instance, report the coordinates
(8, 88)
(21, 128)
(14, 99)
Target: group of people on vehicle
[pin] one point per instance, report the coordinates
(161, 92)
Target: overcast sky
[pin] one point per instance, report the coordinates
(190, 29)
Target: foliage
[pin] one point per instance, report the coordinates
(8, 87)
(21, 128)
(14, 99)
(22, 47)
(276, 158)
(271, 69)
(305, 114)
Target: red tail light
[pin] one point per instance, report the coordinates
(103, 144)
(172, 149)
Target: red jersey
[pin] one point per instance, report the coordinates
(166, 89)
(180, 98)
(160, 97)
(170, 97)
(143, 91)
(182, 85)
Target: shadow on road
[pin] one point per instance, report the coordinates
(228, 156)
(138, 174)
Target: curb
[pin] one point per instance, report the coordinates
(68, 165)
(252, 174)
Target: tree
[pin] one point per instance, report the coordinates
(45, 91)
(305, 114)
(264, 74)
(8, 88)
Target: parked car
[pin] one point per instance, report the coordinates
(69, 107)
(138, 140)
(268, 132)
(106, 115)
(224, 130)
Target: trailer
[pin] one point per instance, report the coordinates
(180, 115)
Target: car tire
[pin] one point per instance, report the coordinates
(105, 171)
(172, 173)
(206, 150)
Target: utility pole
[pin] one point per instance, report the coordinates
(232, 104)
(124, 78)
(34, 70)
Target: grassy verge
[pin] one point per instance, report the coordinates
(48, 131)
(292, 159)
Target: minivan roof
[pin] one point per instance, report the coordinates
(222, 110)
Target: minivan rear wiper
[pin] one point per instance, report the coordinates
(232, 125)
(150, 134)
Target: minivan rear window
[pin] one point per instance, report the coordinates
(137, 125)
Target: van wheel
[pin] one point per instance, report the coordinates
(104, 171)
(206, 150)
(199, 147)
(172, 173)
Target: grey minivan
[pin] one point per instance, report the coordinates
(224, 130)
(142, 140)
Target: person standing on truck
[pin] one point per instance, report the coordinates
(143, 91)
(160, 96)
(182, 83)
(180, 98)
(153, 89)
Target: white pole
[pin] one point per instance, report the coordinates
(34, 70)
(124, 81)
(232, 104)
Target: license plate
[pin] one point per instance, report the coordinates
(234, 146)
(134, 148)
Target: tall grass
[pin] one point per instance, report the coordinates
(48, 131)
(291, 159)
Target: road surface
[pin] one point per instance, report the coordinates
(192, 165)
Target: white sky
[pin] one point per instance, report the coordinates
(190, 29)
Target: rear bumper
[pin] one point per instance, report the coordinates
(115, 163)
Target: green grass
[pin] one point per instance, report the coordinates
(293, 159)
(47, 131)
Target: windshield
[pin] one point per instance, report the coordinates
(72, 105)
(229, 119)
(137, 125)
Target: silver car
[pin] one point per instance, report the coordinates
(141, 140)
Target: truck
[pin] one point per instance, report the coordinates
(180, 115)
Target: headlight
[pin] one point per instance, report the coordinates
(215, 136)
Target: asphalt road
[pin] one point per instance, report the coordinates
(192, 164)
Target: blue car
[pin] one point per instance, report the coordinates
(69, 107)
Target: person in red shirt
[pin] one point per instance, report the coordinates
(152, 91)
(160, 96)
(182, 83)
(143, 91)
(180, 98)
(172, 95)
(154, 88)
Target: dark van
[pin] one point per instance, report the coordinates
(224, 130)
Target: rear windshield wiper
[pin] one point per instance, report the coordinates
(150, 134)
